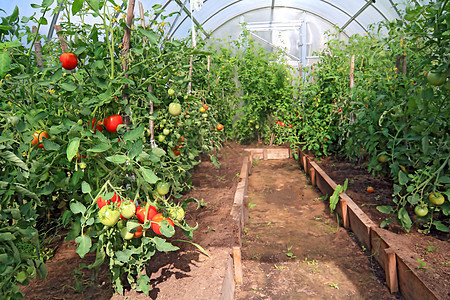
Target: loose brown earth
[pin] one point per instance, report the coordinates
(295, 249)
(329, 263)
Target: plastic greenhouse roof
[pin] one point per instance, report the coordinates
(352, 16)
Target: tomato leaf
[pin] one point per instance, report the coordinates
(21, 190)
(440, 226)
(94, 4)
(70, 87)
(158, 152)
(136, 149)
(166, 229)
(14, 159)
(6, 236)
(72, 149)
(77, 207)
(402, 178)
(5, 62)
(386, 222)
(77, 5)
(99, 258)
(149, 175)
(131, 225)
(404, 219)
(74, 230)
(50, 145)
(152, 37)
(102, 147)
(117, 159)
(144, 283)
(85, 187)
(385, 209)
(134, 134)
(162, 245)
(84, 245)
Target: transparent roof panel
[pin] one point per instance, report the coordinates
(215, 13)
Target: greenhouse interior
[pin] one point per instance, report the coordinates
(235, 149)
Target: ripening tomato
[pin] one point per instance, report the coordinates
(202, 109)
(108, 216)
(140, 213)
(98, 126)
(219, 126)
(370, 189)
(69, 60)
(112, 122)
(37, 138)
(156, 221)
(436, 198)
(102, 202)
(205, 106)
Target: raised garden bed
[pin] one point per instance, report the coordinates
(400, 263)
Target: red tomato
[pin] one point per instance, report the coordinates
(139, 233)
(219, 126)
(370, 189)
(69, 60)
(176, 153)
(98, 127)
(112, 122)
(158, 218)
(37, 137)
(102, 202)
(140, 213)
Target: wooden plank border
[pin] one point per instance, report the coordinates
(384, 246)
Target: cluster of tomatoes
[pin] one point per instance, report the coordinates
(120, 212)
(282, 124)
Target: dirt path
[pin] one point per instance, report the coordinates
(293, 247)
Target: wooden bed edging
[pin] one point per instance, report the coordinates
(399, 269)
(385, 248)
(239, 214)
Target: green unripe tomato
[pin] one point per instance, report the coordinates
(171, 92)
(166, 131)
(162, 188)
(161, 138)
(108, 216)
(80, 122)
(421, 210)
(14, 120)
(175, 109)
(126, 235)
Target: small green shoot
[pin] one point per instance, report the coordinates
(422, 264)
(278, 268)
(335, 285)
(334, 199)
(251, 205)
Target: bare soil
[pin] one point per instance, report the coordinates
(295, 249)
(328, 264)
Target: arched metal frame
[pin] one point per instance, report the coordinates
(209, 17)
